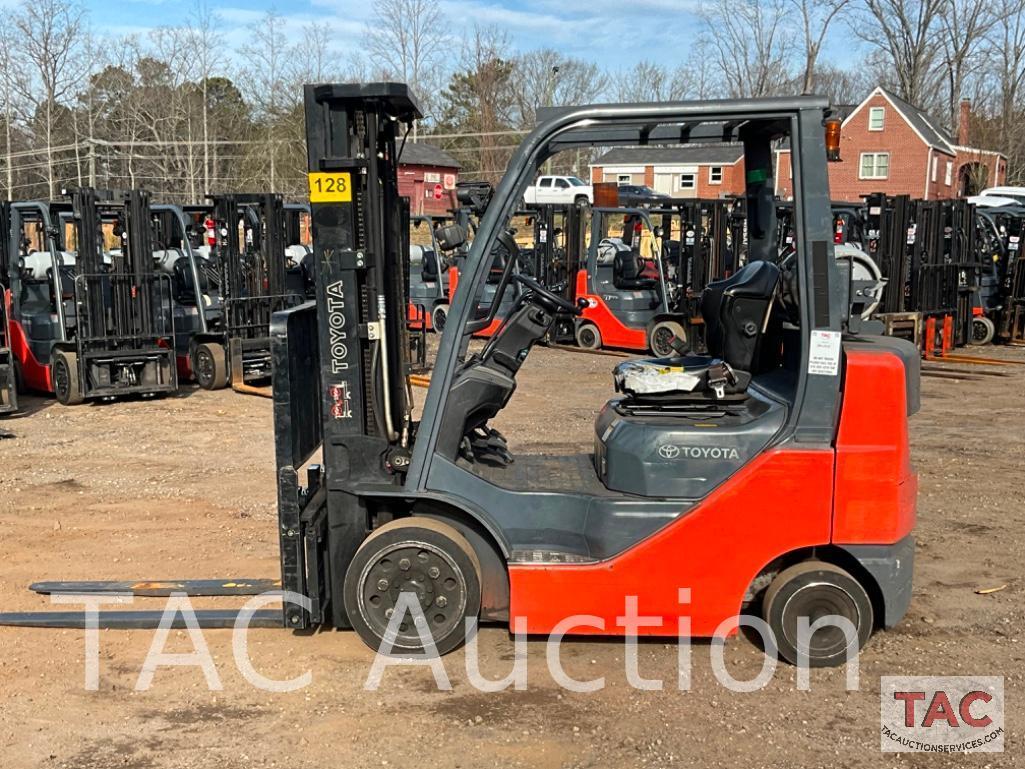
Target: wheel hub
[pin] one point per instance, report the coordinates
(425, 572)
(815, 602)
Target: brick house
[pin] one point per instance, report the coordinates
(695, 171)
(425, 171)
(888, 145)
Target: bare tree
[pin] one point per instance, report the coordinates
(202, 39)
(817, 17)
(546, 77)
(752, 45)
(408, 37)
(48, 64)
(649, 81)
(265, 75)
(964, 25)
(906, 35)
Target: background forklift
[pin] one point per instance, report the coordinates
(89, 324)
(251, 279)
(8, 375)
(749, 476)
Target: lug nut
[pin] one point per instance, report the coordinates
(441, 602)
(433, 572)
(382, 584)
(404, 564)
(388, 613)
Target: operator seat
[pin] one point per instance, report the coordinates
(736, 312)
(628, 271)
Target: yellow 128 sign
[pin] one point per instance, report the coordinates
(330, 188)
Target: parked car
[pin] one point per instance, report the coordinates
(559, 189)
(639, 195)
(1016, 194)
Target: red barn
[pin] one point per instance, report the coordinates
(427, 176)
(888, 145)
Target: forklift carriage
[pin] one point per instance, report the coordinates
(8, 376)
(771, 475)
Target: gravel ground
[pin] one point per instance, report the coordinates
(185, 487)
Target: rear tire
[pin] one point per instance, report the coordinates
(983, 330)
(581, 200)
(439, 317)
(210, 366)
(588, 336)
(64, 375)
(419, 555)
(660, 337)
(815, 589)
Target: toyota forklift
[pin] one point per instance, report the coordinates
(91, 323)
(772, 475)
(253, 281)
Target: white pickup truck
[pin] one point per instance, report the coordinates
(559, 189)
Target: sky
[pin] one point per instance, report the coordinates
(613, 33)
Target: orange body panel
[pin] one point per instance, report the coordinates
(35, 375)
(876, 487)
(453, 283)
(613, 332)
(779, 502)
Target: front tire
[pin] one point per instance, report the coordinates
(983, 330)
(588, 336)
(64, 374)
(816, 589)
(661, 336)
(413, 555)
(210, 366)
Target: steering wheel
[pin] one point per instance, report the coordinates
(547, 299)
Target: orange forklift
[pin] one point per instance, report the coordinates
(771, 476)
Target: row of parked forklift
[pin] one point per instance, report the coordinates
(109, 294)
(940, 273)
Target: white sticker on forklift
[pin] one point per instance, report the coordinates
(824, 355)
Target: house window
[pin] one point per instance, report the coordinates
(622, 179)
(687, 181)
(948, 177)
(875, 165)
(715, 175)
(876, 116)
(935, 162)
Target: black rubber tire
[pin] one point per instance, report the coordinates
(588, 336)
(815, 589)
(659, 336)
(983, 330)
(210, 366)
(439, 317)
(64, 376)
(581, 200)
(437, 545)
(19, 377)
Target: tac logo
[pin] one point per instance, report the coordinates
(942, 714)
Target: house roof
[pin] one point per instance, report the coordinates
(421, 154)
(691, 154)
(930, 130)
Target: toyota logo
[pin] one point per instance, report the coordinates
(668, 451)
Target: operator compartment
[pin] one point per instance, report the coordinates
(686, 424)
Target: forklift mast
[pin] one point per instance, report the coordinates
(8, 388)
(341, 366)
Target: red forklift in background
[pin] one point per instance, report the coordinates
(770, 476)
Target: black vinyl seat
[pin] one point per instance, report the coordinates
(736, 312)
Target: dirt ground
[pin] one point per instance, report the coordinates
(184, 487)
